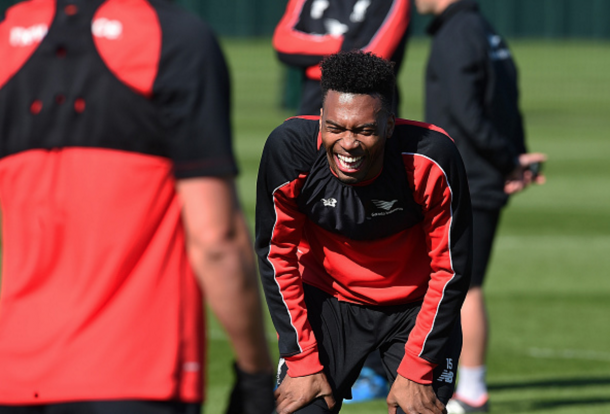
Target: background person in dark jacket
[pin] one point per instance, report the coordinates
(472, 92)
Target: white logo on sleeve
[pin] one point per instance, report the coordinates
(448, 374)
(109, 29)
(334, 27)
(26, 36)
(318, 7)
(359, 12)
(497, 52)
(331, 202)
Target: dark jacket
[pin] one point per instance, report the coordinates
(472, 92)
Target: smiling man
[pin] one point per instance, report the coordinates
(364, 239)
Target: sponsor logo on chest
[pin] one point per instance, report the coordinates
(27, 36)
(386, 207)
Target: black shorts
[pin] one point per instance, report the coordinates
(348, 333)
(484, 225)
(105, 407)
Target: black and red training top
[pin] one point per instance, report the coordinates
(404, 237)
(103, 106)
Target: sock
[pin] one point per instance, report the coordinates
(471, 384)
(252, 393)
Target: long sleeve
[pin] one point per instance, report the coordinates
(279, 228)
(439, 185)
(297, 46)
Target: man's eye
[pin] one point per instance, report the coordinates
(367, 132)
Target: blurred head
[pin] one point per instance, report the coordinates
(356, 117)
(435, 7)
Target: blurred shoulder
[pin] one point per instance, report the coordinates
(296, 129)
(297, 137)
(424, 139)
(180, 24)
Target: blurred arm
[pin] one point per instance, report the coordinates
(521, 176)
(298, 48)
(220, 252)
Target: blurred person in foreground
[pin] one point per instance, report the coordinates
(311, 30)
(119, 210)
(363, 237)
(307, 33)
(472, 93)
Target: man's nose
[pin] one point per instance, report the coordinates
(350, 141)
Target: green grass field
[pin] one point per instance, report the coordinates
(548, 288)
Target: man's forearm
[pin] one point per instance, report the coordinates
(227, 273)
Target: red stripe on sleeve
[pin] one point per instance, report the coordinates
(431, 127)
(285, 239)
(387, 38)
(286, 39)
(432, 191)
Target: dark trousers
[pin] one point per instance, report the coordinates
(348, 333)
(484, 226)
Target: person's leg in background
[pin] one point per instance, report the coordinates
(471, 393)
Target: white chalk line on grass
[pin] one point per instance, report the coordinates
(569, 354)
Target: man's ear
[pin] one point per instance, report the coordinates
(321, 115)
(390, 125)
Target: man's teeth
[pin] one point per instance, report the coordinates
(349, 162)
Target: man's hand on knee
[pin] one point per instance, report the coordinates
(413, 398)
(296, 393)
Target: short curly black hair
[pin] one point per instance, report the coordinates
(360, 73)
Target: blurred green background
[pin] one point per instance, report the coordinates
(548, 287)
